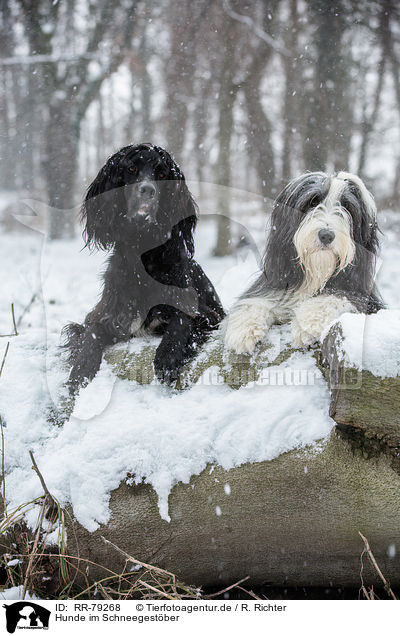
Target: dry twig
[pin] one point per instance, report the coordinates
(386, 584)
(49, 499)
(3, 475)
(229, 588)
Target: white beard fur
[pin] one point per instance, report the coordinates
(309, 314)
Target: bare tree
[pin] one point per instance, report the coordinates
(68, 85)
(179, 69)
(7, 121)
(259, 126)
(228, 90)
(327, 103)
(292, 88)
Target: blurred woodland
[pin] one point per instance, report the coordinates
(243, 93)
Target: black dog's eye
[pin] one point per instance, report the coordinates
(133, 169)
(161, 175)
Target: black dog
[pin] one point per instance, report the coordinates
(140, 206)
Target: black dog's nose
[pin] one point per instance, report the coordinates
(146, 190)
(326, 236)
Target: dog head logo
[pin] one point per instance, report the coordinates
(26, 615)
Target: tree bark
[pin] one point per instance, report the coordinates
(327, 108)
(60, 171)
(8, 147)
(368, 123)
(227, 97)
(289, 111)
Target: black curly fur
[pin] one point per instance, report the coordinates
(139, 206)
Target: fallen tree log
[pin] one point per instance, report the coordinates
(362, 404)
(290, 521)
(293, 520)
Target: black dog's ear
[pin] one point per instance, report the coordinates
(187, 211)
(104, 199)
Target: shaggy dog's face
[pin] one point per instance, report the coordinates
(324, 243)
(324, 240)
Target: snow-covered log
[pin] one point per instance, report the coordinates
(360, 357)
(291, 520)
(213, 364)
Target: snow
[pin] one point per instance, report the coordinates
(159, 436)
(391, 551)
(118, 427)
(372, 342)
(12, 563)
(15, 594)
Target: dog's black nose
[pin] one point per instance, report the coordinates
(326, 236)
(146, 190)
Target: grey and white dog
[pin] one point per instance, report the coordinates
(319, 262)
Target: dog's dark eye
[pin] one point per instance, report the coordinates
(161, 175)
(133, 169)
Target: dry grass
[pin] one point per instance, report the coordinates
(48, 571)
(370, 594)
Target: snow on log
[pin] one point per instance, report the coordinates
(360, 357)
(292, 519)
(239, 471)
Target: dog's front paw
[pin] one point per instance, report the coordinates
(314, 315)
(300, 336)
(83, 371)
(243, 340)
(168, 364)
(245, 327)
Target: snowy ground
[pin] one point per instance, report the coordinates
(118, 426)
(15, 594)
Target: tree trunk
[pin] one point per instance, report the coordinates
(386, 37)
(227, 97)
(7, 155)
(259, 136)
(289, 111)
(259, 128)
(60, 166)
(327, 101)
(316, 501)
(179, 75)
(200, 131)
(146, 89)
(368, 123)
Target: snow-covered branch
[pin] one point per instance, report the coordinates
(44, 59)
(244, 19)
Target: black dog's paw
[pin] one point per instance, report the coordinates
(83, 370)
(168, 365)
(78, 379)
